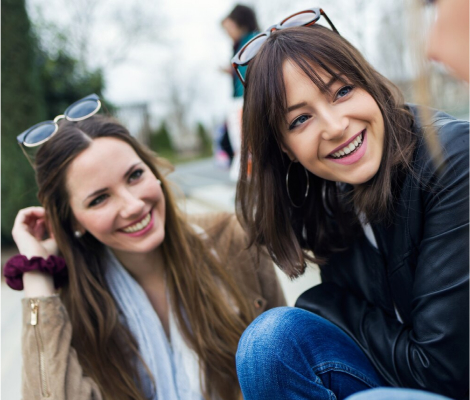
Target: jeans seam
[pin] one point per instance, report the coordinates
(341, 367)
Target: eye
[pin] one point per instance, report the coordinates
(136, 175)
(98, 200)
(344, 91)
(299, 121)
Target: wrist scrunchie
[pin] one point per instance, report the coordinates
(16, 266)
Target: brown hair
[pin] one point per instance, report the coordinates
(263, 205)
(105, 348)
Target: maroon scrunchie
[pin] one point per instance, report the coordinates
(19, 264)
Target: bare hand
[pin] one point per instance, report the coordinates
(227, 70)
(31, 235)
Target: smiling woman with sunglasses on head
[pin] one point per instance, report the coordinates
(341, 176)
(152, 303)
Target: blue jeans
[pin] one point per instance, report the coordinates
(289, 353)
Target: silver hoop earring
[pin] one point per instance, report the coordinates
(306, 189)
(78, 234)
(159, 182)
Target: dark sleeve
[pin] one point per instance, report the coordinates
(431, 353)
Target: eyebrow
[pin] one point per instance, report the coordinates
(100, 191)
(296, 106)
(303, 104)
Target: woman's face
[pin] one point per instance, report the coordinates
(116, 198)
(448, 40)
(338, 136)
(232, 29)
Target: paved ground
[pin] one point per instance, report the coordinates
(207, 189)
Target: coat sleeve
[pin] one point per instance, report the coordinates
(254, 271)
(50, 364)
(261, 264)
(271, 288)
(432, 352)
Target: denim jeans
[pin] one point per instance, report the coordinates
(289, 353)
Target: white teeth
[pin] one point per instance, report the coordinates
(349, 148)
(139, 225)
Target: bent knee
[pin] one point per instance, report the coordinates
(270, 326)
(275, 330)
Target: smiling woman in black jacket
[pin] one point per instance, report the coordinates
(341, 176)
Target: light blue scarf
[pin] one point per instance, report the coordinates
(166, 365)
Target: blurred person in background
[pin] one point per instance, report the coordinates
(447, 43)
(241, 25)
(152, 302)
(343, 178)
(448, 38)
(223, 151)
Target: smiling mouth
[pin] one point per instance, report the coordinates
(142, 224)
(349, 148)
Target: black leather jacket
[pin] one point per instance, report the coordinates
(421, 268)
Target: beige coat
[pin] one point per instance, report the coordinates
(50, 365)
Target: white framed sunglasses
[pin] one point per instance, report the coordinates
(43, 131)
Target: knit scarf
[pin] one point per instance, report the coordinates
(174, 369)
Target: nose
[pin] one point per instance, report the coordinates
(334, 123)
(132, 205)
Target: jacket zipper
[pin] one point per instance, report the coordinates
(34, 303)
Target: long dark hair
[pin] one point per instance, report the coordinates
(205, 315)
(263, 205)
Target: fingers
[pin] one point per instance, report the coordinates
(39, 211)
(26, 215)
(39, 229)
(29, 231)
(28, 224)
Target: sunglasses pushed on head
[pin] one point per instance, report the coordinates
(249, 51)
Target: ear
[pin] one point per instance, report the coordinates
(289, 153)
